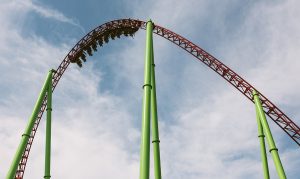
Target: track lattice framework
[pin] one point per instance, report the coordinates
(282, 120)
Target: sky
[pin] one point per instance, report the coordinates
(207, 128)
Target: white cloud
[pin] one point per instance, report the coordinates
(215, 129)
(207, 129)
(48, 13)
(24, 64)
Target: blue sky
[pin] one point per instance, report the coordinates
(207, 128)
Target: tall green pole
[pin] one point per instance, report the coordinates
(154, 121)
(272, 147)
(48, 132)
(14, 165)
(145, 142)
(261, 137)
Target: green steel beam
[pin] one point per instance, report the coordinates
(145, 141)
(154, 121)
(16, 160)
(47, 174)
(261, 137)
(272, 147)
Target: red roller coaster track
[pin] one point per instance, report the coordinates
(283, 121)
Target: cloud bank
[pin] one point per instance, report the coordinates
(207, 130)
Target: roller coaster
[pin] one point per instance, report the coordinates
(112, 30)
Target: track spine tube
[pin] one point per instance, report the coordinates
(272, 147)
(261, 137)
(25, 137)
(48, 131)
(145, 141)
(154, 121)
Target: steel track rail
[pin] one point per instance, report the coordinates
(282, 120)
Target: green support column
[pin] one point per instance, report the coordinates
(154, 121)
(272, 147)
(14, 165)
(47, 174)
(261, 137)
(145, 142)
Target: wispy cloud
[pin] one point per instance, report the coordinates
(50, 13)
(24, 64)
(214, 129)
(205, 125)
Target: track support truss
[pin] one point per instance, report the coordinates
(128, 27)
